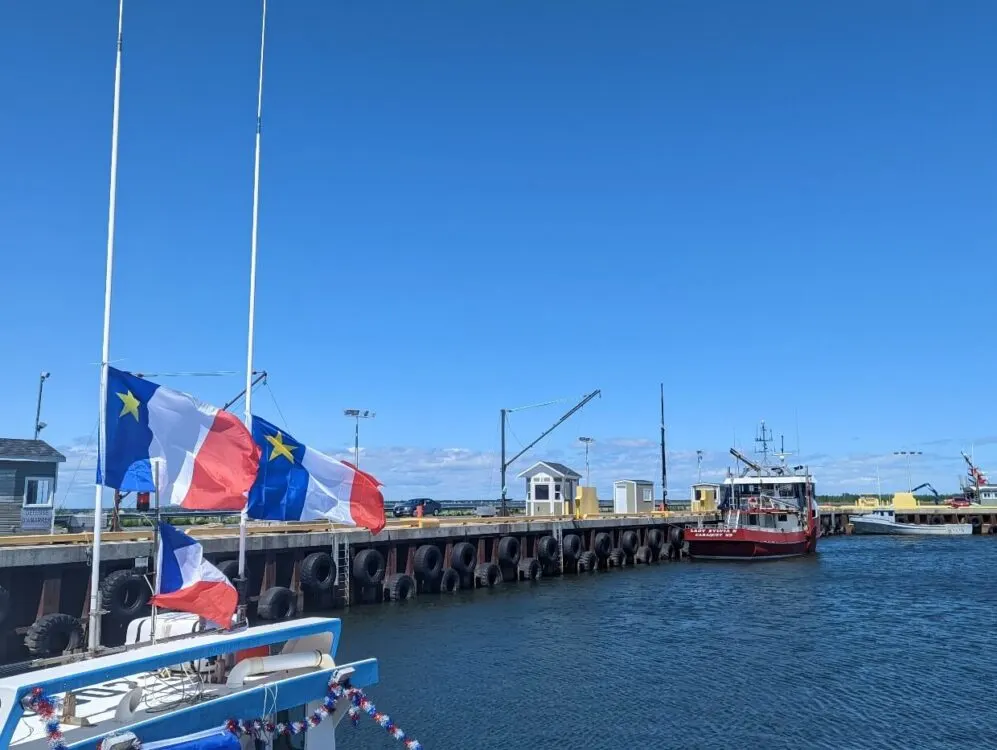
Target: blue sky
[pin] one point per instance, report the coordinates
(781, 210)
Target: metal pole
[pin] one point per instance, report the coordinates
(664, 459)
(356, 443)
(156, 547)
(504, 466)
(244, 516)
(38, 409)
(93, 635)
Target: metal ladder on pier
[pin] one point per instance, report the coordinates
(559, 537)
(341, 554)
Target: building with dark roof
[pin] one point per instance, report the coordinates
(29, 472)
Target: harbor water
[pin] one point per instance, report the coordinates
(883, 642)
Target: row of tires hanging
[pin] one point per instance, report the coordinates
(125, 593)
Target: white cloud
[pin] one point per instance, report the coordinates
(468, 474)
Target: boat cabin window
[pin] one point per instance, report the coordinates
(753, 519)
(782, 516)
(768, 521)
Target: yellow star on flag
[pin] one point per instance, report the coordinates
(129, 404)
(280, 448)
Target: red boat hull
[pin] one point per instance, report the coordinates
(724, 543)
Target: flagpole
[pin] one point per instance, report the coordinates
(157, 543)
(244, 517)
(94, 627)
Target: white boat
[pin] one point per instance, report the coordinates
(213, 686)
(884, 522)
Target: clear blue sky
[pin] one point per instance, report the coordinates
(776, 208)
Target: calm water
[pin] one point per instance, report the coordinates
(875, 643)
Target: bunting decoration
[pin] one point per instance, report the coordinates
(45, 707)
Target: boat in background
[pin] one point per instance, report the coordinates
(883, 521)
(770, 512)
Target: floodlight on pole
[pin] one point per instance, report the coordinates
(357, 415)
(587, 441)
(908, 454)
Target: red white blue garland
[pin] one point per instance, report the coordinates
(45, 707)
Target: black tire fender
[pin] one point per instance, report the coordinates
(629, 541)
(368, 567)
(676, 535)
(54, 634)
(229, 569)
(488, 575)
(529, 569)
(318, 572)
(428, 562)
(547, 549)
(508, 550)
(400, 587)
(277, 603)
(571, 546)
(124, 593)
(588, 562)
(602, 544)
(464, 558)
(655, 538)
(449, 581)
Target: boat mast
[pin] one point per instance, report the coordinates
(93, 631)
(244, 517)
(664, 464)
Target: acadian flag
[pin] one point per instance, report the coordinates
(209, 456)
(187, 582)
(297, 483)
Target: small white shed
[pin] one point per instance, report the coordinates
(633, 496)
(550, 489)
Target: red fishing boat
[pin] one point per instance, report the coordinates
(769, 512)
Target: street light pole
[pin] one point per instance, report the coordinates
(587, 441)
(908, 454)
(39, 425)
(357, 414)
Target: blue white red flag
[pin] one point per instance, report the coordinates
(187, 582)
(298, 483)
(209, 456)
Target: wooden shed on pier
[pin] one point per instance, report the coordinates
(29, 470)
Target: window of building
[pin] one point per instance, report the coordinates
(557, 491)
(37, 491)
(541, 492)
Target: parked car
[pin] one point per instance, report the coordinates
(485, 511)
(407, 508)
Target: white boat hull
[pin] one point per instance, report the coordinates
(882, 526)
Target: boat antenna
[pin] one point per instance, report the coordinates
(93, 630)
(244, 516)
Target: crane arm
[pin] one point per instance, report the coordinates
(745, 460)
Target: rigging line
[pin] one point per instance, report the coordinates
(72, 481)
(208, 374)
(243, 395)
(272, 396)
(545, 403)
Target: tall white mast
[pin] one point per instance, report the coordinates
(105, 352)
(252, 277)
